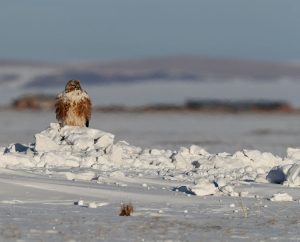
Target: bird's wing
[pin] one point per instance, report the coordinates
(84, 108)
(61, 107)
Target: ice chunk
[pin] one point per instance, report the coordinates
(17, 147)
(79, 203)
(17, 160)
(204, 188)
(104, 141)
(287, 174)
(155, 152)
(62, 159)
(281, 197)
(221, 182)
(85, 176)
(197, 150)
(184, 189)
(293, 153)
(92, 205)
(80, 142)
(180, 162)
(293, 176)
(116, 154)
(45, 144)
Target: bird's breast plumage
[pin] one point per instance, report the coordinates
(73, 108)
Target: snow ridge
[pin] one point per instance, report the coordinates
(94, 154)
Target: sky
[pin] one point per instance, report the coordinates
(77, 30)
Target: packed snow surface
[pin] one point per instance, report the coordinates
(90, 154)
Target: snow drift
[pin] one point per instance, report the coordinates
(94, 153)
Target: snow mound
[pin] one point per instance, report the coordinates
(94, 154)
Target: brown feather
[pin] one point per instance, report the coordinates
(61, 108)
(83, 108)
(74, 112)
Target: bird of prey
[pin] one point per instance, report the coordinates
(73, 106)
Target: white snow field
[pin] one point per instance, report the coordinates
(68, 183)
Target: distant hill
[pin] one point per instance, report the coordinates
(197, 69)
(47, 102)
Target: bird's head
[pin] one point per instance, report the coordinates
(72, 85)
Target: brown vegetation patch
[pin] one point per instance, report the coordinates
(126, 209)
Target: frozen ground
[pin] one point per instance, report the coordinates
(38, 192)
(36, 208)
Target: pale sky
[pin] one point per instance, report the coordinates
(74, 30)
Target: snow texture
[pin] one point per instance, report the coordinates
(92, 154)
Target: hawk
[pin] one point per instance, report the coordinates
(73, 106)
